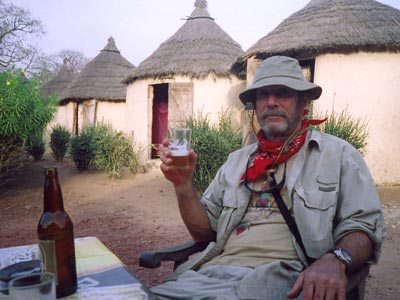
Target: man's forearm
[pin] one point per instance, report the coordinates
(359, 246)
(328, 273)
(193, 213)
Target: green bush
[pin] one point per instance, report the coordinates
(59, 141)
(107, 149)
(36, 146)
(82, 148)
(114, 151)
(212, 143)
(23, 110)
(23, 113)
(13, 157)
(345, 126)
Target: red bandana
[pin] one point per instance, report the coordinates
(271, 153)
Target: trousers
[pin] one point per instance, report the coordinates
(270, 281)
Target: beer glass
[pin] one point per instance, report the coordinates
(38, 286)
(179, 145)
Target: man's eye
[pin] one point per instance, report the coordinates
(265, 94)
(282, 93)
(262, 94)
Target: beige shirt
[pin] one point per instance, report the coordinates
(262, 235)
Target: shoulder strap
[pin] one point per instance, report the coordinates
(291, 223)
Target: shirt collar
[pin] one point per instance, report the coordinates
(314, 139)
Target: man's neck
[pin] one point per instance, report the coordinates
(277, 139)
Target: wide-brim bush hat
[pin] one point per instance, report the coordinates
(280, 70)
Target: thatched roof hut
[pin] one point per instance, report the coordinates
(97, 92)
(330, 26)
(199, 48)
(352, 49)
(60, 82)
(102, 77)
(189, 73)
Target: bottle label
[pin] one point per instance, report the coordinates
(48, 261)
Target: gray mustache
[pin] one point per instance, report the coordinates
(273, 113)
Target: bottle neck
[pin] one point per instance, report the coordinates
(53, 200)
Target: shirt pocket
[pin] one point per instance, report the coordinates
(314, 210)
(230, 200)
(327, 184)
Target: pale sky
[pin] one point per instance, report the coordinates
(140, 26)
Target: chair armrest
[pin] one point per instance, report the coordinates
(177, 254)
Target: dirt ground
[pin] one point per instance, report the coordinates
(140, 213)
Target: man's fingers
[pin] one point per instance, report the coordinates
(331, 294)
(319, 293)
(164, 167)
(165, 142)
(165, 158)
(309, 291)
(297, 287)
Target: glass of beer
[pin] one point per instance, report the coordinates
(179, 145)
(38, 286)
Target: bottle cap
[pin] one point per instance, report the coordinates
(50, 170)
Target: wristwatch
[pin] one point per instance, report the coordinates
(343, 256)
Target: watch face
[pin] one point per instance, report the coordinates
(343, 256)
(346, 255)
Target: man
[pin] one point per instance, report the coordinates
(323, 181)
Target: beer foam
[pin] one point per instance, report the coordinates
(179, 152)
(179, 148)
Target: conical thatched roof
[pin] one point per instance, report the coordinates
(330, 26)
(198, 48)
(101, 78)
(60, 82)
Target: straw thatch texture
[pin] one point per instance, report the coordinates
(59, 83)
(330, 26)
(101, 78)
(199, 48)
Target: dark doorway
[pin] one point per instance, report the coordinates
(75, 124)
(160, 117)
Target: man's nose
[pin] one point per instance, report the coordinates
(271, 99)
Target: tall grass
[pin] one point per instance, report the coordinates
(212, 143)
(345, 126)
(114, 151)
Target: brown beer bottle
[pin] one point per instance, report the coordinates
(56, 237)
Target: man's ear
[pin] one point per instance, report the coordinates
(306, 101)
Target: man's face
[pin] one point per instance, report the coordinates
(279, 111)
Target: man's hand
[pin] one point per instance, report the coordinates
(176, 175)
(192, 211)
(325, 279)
